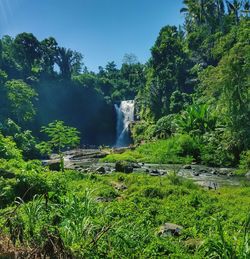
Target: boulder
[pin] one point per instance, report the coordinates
(156, 173)
(170, 229)
(101, 170)
(123, 167)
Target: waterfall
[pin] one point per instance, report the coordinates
(125, 115)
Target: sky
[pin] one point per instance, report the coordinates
(102, 30)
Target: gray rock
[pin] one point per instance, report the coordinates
(187, 167)
(223, 172)
(195, 173)
(214, 172)
(101, 169)
(203, 171)
(123, 167)
(170, 229)
(209, 185)
(136, 165)
(156, 173)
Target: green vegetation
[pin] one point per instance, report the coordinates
(192, 104)
(89, 216)
(179, 149)
(60, 137)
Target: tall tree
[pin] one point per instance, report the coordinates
(69, 62)
(168, 70)
(27, 51)
(49, 50)
(20, 100)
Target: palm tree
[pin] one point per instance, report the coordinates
(234, 8)
(246, 8)
(195, 10)
(68, 61)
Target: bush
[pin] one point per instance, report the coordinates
(153, 192)
(8, 148)
(244, 165)
(138, 131)
(215, 150)
(165, 126)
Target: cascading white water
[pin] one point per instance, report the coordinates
(125, 115)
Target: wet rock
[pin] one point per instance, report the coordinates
(86, 170)
(223, 172)
(136, 165)
(214, 172)
(209, 185)
(156, 173)
(6, 174)
(101, 170)
(170, 229)
(203, 171)
(195, 173)
(147, 171)
(123, 167)
(187, 167)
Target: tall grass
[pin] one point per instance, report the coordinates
(225, 247)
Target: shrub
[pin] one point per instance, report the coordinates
(8, 148)
(215, 149)
(244, 164)
(153, 192)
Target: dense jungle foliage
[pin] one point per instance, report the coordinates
(192, 105)
(196, 82)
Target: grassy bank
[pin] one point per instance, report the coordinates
(119, 216)
(176, 150)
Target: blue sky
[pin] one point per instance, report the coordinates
(102, 30)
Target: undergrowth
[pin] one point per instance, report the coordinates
(92, 218)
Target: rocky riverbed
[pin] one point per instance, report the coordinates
(87, 161)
